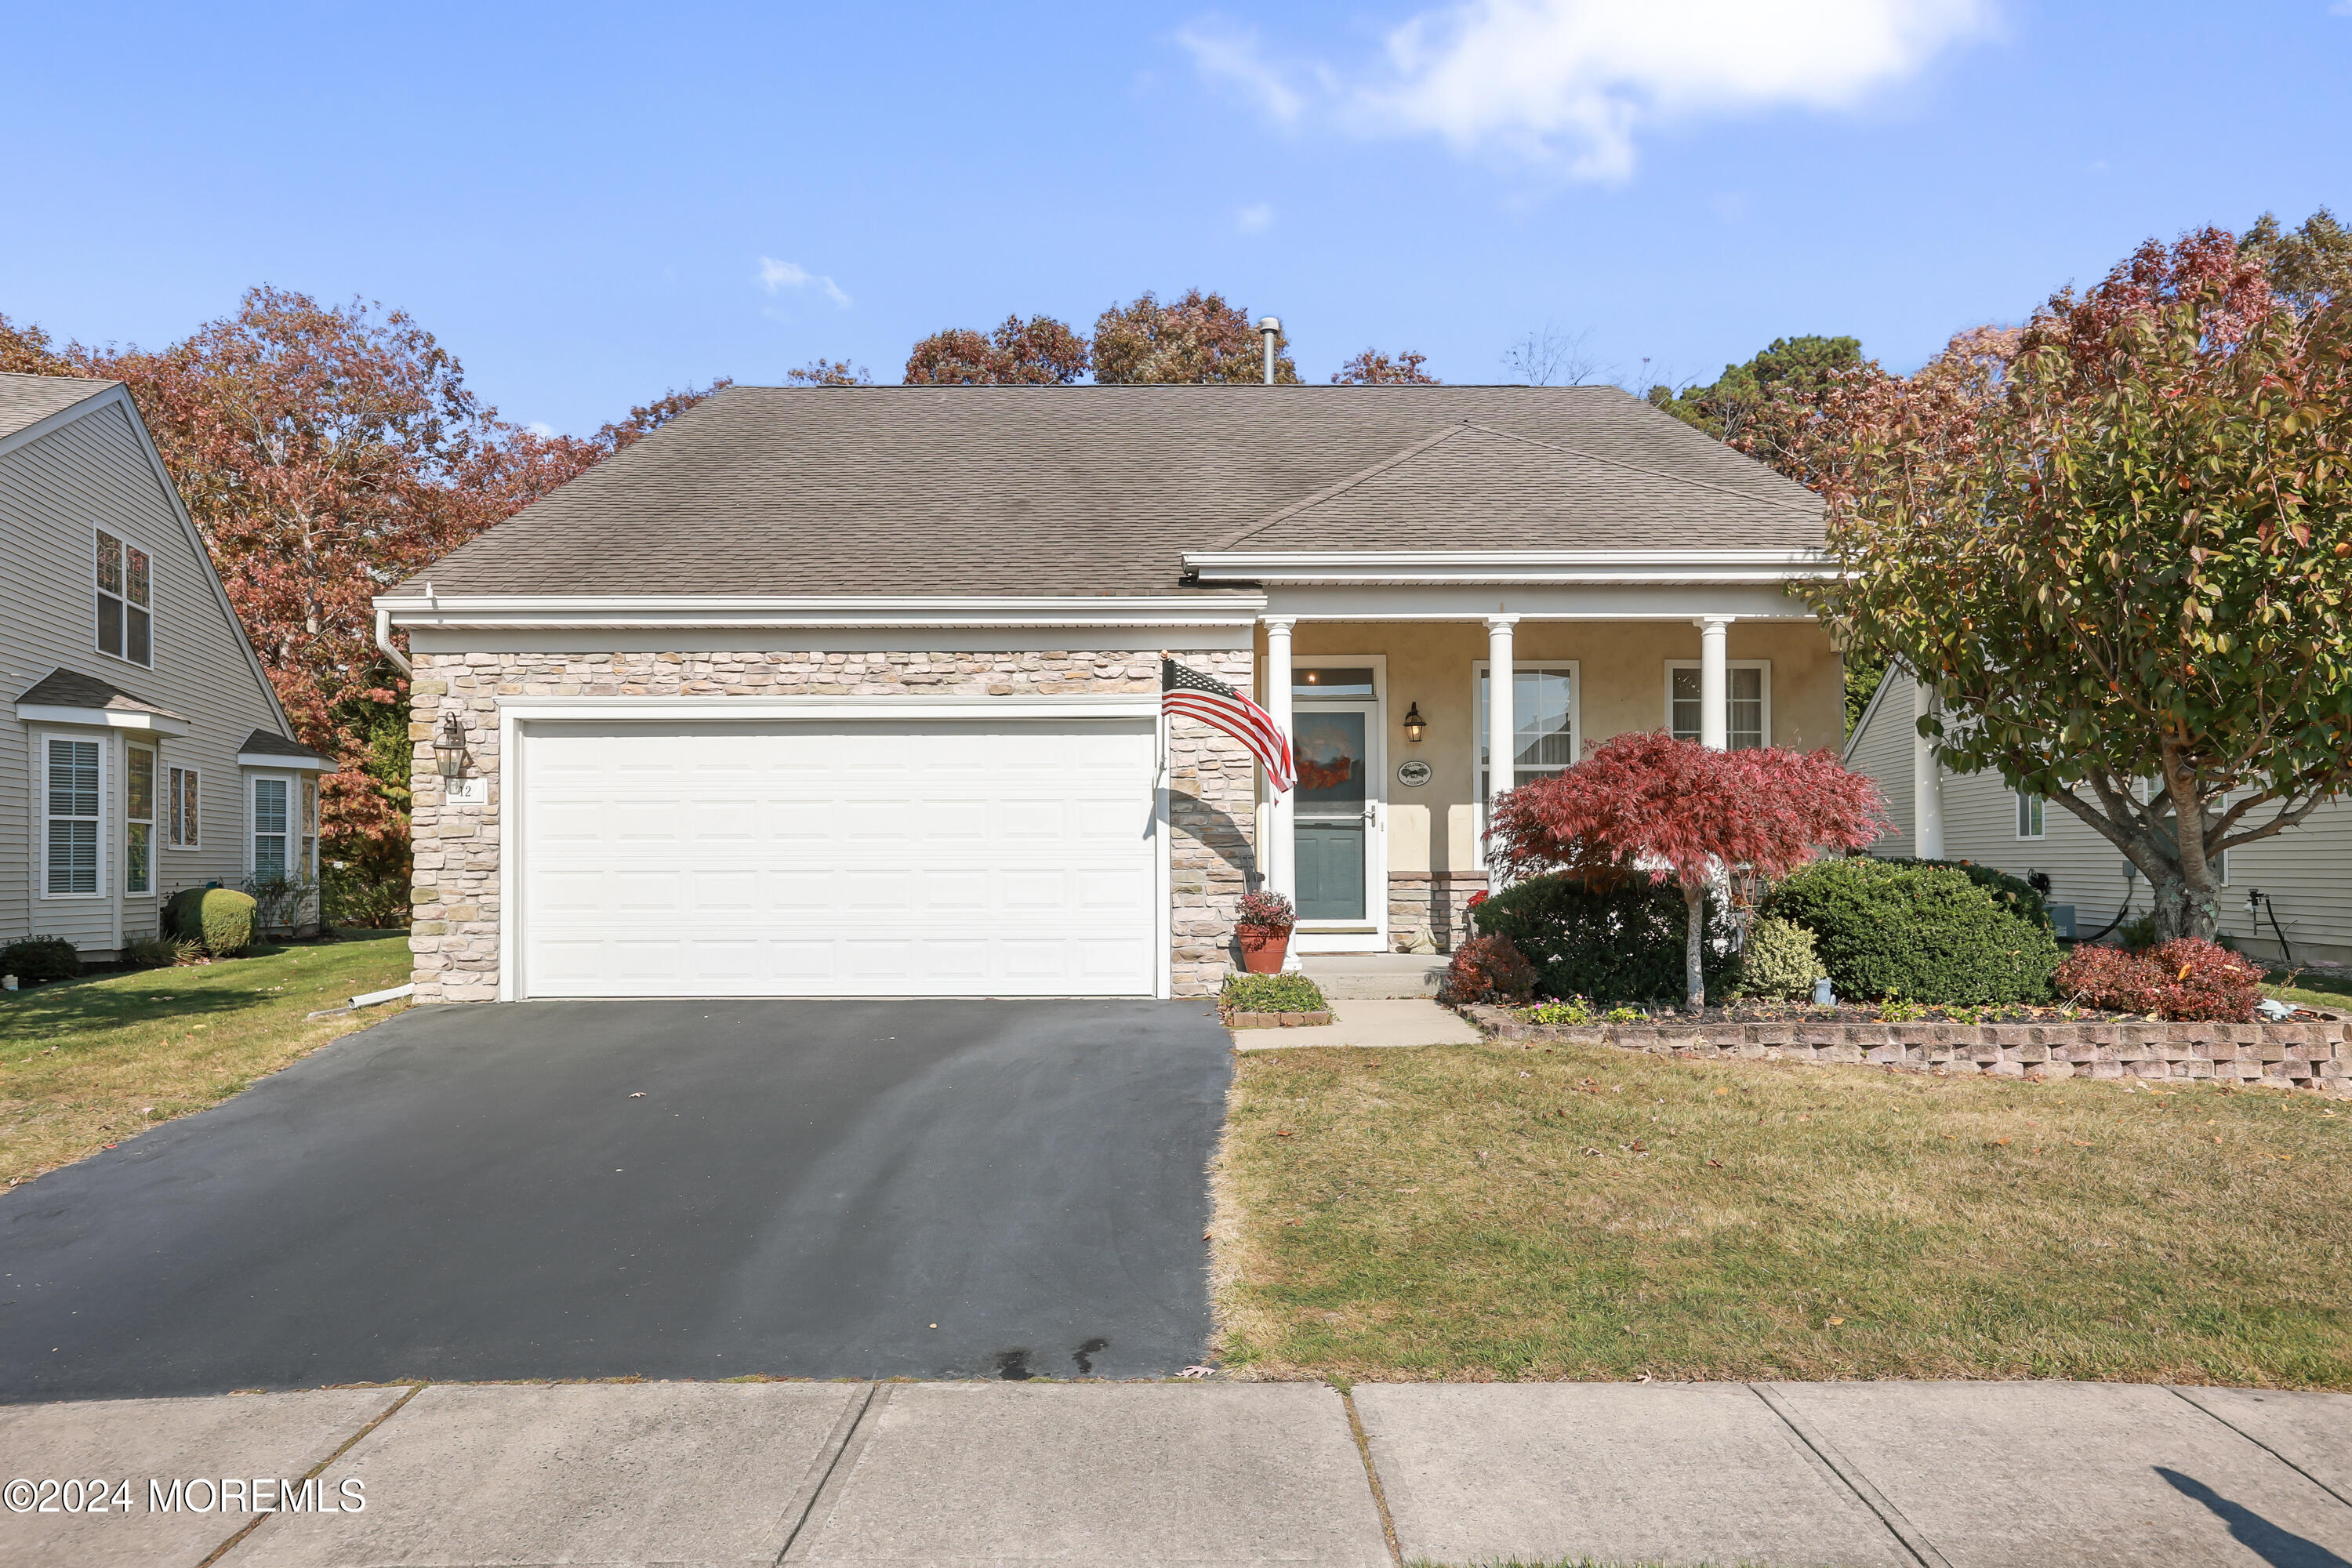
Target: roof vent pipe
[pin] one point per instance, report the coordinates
(1270, 329)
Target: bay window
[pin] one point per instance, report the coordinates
(70, 801)
(139, 821)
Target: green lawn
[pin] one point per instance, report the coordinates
(86, 1063)
(1477, 1212)
(2332, 993)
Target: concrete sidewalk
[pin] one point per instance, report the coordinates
(972, 1474)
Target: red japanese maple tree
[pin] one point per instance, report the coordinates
(1652, 805)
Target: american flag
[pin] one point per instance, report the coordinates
(1185, 690)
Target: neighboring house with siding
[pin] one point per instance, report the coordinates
(2307, 869)
(142, 750)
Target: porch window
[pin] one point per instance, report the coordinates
(1543, 711)
(1749, 686)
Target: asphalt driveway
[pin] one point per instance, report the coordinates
(670, 1189)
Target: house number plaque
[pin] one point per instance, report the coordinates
(1414, 775)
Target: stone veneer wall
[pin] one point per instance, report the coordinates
(455, 891)
(2316, 1056)
(1437, 903)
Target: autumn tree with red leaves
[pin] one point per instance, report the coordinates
(1194, 340)
(1374, 368)
(1039, 352)
(2118, 544)
(1649, 804)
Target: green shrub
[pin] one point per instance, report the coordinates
(2014, 894)
(1572, 1011)
(180, 916)
(2137, 935)
(1779, 961)
(36, 958)
(350, 898)
(225, 921)
(151, 951)
(1929, 934)
(1272, 993)
(1617, 943)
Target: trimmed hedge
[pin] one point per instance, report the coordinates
(220, 917)
(1923, 933)
(2014, 894)
(1621, 944)
(34, 958)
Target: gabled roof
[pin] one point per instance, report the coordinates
(262, 744)
(72, 688)
(1511, 492)
(29, 399)
(1100, 489)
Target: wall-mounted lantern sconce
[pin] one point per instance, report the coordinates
(1415, 726)
(450, 747)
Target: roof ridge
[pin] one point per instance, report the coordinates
(1638, 468)
(1350, 482)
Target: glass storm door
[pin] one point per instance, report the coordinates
(1332, 818)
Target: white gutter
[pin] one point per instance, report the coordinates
(543, 611)
(1564, 566)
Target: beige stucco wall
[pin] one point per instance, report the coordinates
(1622, 668)
(458, 892)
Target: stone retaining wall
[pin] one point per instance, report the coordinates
(2313, 1056)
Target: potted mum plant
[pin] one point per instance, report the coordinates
(1264, 930)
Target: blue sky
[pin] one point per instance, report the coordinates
(589, 204)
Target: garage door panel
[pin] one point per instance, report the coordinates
(778, 858)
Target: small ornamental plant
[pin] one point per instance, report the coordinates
(1266, 911)
(1488, 969)
(2185, 980)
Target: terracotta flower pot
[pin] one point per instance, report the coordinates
(1263, 947)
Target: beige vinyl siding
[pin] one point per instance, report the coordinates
(94, 472)
(1881, 748)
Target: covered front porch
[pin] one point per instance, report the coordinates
(1380, 846)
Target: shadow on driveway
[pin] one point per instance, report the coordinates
(669, 1189)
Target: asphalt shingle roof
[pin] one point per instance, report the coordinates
(71, 688)
(266, 742)
(29, 399)
(1098, 490)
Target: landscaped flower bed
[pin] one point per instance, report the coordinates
(2312, 1055)
(1272, 1002)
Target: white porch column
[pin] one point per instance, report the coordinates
(1502, 728)
(1926, 782)
(1278, 854)
(1714, 683)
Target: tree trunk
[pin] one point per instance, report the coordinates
(2183, 910)
(1694, 972)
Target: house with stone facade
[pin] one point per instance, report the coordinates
(855, 690)
(141, 748)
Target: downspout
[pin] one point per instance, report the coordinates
(384, 641)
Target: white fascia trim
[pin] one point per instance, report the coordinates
(101, 718)
(686, 610)
(1510, 565)
(283, 764)
(1141, 705)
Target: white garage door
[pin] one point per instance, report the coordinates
(839, 858)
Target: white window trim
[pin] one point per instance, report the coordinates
(1763, 663)
(2027, 797)
(197, 774)
(157, 775)
(1480, 712)
(41, 739)
(129, 544)
(293, 833)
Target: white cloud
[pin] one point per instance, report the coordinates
(1256, 218)
(776, 275)
(1234, 55)
(540, 428)
(1573, 82)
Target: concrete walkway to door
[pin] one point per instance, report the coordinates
(963, 1474)
(655, 1189)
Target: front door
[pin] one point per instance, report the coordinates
(1336, 826)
